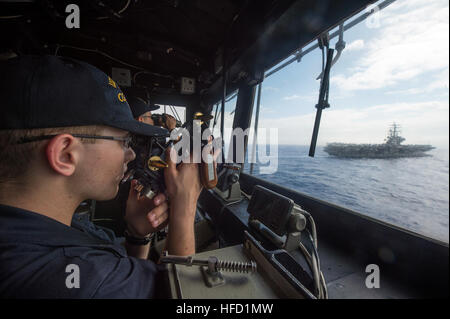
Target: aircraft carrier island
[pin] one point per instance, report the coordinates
(392, 148)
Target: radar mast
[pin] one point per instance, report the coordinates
(393, 137)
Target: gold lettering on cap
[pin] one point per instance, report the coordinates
(121, 97)
(112, 83)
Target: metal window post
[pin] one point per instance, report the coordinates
(256, 129)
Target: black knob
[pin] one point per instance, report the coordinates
(234, 178)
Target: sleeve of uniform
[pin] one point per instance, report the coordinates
(130, 278)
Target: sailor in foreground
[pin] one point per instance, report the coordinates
(116, 207)
(64, 138)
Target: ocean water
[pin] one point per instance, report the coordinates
(412, 193)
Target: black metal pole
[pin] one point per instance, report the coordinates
(322, 103)
(312, 147)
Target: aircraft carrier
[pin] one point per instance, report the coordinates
(391, 148)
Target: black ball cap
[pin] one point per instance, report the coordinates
(50, 91)
(139, 106)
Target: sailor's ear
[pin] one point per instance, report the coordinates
(62, 153)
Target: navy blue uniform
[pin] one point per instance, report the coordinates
(37, 255)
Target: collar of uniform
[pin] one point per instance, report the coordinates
(23, 226)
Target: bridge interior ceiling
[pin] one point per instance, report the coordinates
(164, 40)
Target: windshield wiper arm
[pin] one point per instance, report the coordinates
(323, 101)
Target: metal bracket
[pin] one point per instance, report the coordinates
(292, 241)
(212, 279)
(210, 268)
(232, 194)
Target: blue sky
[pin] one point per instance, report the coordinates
(394, 68)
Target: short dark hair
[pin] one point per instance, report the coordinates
(15, 158)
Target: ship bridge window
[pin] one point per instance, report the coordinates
(391, 76)
(230, 106)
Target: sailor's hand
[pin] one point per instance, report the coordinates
(182, 183)
(144, 216)
(169, 122)
(183, 187)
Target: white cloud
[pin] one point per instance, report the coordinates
(421, 122)
(413, 39)
(440, 82)
(291, 97)
(355, 45)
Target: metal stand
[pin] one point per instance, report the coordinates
(232, 194)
